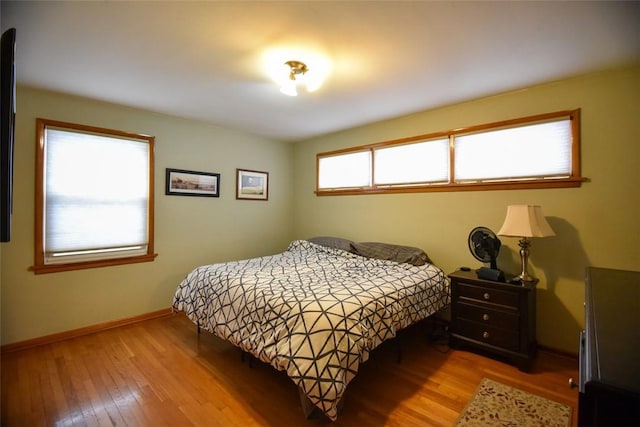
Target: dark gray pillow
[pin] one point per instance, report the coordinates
(333, 242)
(388, 251)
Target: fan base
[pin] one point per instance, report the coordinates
(490, 274)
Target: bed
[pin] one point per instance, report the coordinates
(317, 309)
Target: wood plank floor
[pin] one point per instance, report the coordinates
(159, 372)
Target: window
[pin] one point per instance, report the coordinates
(420, 162)
(94, 197)
(345, 170)
(532, 152)
(542, 150)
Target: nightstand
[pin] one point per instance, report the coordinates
(497, 317)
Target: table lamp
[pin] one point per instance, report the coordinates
(525, 221)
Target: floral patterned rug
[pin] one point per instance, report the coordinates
(496, 404)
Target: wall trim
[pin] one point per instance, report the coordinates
(50, 339)
(558, 352)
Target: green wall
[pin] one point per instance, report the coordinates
(189, 231)
(596, 224)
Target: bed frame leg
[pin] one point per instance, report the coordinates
(198, 337)
(398, 344)
(244, 356)
(311, 411)
(438, 330)
(308, 408)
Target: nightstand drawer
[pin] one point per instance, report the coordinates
(504, 338)
(488, 316)
(485, 294)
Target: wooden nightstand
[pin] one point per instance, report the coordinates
(497, 317)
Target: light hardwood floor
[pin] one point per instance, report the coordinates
(159, 372)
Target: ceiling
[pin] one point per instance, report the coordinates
(206, 60)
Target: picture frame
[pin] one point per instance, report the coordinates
(180, 182)
(252, 185)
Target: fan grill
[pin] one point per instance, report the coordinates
(484, 245)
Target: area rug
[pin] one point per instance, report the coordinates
(496, 404)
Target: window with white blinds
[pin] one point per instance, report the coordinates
(542, 150)
(532, 152)
(351, 170)
(419, 162)
(95, 195)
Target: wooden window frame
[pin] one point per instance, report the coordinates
(573, 180)
(39, 266)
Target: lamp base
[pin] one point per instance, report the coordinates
(524, 279)
(524, 276)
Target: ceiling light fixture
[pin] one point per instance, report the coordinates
(297, 71)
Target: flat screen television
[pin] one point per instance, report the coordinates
(7, 130)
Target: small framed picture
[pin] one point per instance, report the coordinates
(252, 185)
(192, 183)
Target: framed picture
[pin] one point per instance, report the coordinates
(191, 183)
(252, 185)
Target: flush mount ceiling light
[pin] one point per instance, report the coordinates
(296, 67)
(297, 75)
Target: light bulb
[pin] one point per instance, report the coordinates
(289, 88)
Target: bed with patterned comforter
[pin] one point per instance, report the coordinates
(313, 311)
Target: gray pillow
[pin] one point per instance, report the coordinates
(388, 251)
(333, 242)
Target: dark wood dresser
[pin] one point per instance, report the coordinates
(496, 317)
(609, 381)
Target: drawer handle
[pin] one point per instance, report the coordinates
(487, 296)
(485, 335)
(572, 383)
(485, 317)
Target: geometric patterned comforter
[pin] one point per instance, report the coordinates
(312, 311)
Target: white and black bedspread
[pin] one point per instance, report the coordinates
(312, 311)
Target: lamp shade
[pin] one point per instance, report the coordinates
(525, 221)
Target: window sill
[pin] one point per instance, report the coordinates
(476, 186)
(56, 268)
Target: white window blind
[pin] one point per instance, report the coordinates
(532, 151)
(420, 162)
(96, 197)
(345, 170)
